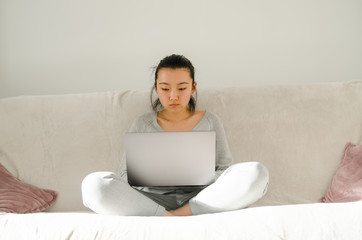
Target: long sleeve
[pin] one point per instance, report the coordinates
(123, 168)
(223, 155)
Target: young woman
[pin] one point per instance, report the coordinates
(236, 186)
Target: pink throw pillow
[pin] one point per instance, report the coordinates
(17, 196)
(346, 185)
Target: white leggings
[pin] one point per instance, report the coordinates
(238, 187)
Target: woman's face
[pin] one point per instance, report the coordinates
(174, 88)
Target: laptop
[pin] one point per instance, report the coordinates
(170, 159)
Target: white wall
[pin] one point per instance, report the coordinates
(72, 46)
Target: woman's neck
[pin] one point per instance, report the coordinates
(175, 116)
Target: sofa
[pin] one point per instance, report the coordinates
(307, 135)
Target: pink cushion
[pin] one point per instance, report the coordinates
(19, 197)
(346, 185)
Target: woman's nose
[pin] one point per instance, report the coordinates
(173, 95)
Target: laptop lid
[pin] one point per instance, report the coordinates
(160, 159)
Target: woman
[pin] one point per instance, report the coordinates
(175, 110)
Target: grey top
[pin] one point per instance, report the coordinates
(210, 122)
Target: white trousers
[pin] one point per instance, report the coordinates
(239, 186)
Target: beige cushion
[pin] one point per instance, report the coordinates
(298, 132)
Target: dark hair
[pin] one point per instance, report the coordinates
(174, 61)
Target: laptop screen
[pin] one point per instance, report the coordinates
(159, 159)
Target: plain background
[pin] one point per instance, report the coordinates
(76, 46)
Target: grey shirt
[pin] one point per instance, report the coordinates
(210, 122)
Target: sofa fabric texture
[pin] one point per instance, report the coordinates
(338, 221)
(298, 132)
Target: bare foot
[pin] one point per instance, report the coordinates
(183, 211)
(167, 214)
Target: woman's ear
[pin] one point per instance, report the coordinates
(194, 87)
(155, 88)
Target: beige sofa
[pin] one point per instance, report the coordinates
(298, 131)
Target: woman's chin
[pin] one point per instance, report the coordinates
(177, 108)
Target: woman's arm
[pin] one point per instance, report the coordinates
(123, 168)
(223, 155)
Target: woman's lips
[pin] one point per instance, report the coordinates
(174, 105)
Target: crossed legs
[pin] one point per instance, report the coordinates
(238, 187)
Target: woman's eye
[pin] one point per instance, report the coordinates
(164, 89)
(181, 89)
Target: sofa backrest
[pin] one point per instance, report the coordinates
(297, 131)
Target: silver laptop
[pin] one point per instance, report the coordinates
(161, 159)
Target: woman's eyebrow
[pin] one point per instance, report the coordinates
(165, 83)
(182, 83)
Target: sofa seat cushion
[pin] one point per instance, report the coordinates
(302, 221)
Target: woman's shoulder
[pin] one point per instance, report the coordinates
(210, 121)
(143, 121)
(212, 116)
(146, 116)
